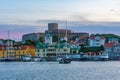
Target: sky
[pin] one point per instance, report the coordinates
(29, 16)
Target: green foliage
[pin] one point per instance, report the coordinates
(41, 39)
(107, 36)
(28, 42)
(18, 43)
(85, 49)
(55, 38)
(63, 41)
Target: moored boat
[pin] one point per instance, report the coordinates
(9, 59)
(37, 59)
(2, 59)
(104, 57)
(84, 57)
(65, 61)
(26, 58)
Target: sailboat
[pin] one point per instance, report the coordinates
(9, 50)
(66, 59)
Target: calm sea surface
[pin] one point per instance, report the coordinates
(55, 71)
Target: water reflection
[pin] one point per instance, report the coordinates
(55, 71)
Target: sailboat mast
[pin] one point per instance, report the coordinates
(8, 45)
(66, 30)
(58, 43)
(66, 33)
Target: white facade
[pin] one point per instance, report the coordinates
(1, 42)
(48, 39)
(9, 42)
(63, 39)
(97, 41)
(113, 40)
(51, 51)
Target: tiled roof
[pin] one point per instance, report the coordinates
(108, 45)
(18, 47)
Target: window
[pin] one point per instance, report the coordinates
(58, 49)
(65, 50)
(38, 50)
(38, 55)
(43, 50)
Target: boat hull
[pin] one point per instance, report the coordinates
(65, 61)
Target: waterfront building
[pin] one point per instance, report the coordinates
(113, 50)
(108, 47)
(24, 50)
(16, 51)
(96, 40)
(51, 50)
(116, 51)
(74, 49)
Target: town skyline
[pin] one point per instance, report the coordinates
(23, 17)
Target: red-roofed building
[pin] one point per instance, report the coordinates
(81, 40)
(108, 47)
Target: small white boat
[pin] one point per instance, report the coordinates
(104, 57)
(37, 59)
(65, 61)
(58, 59)
(26, 58)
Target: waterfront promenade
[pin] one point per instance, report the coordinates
(109, 70)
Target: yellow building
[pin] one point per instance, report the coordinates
(17, 51)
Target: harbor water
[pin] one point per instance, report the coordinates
(109, 70)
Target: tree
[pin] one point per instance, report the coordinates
(31, 43)
(41, 39)
(55, 38)
(18, 43)
(84, 49)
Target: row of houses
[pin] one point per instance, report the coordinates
(50, 49)
(46, 49)
(113, 49)
(16, 51)
(40, 50)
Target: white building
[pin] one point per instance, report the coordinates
(96, 41)
(51, 50)
(48, 39)
(9, 42)
(113, 40)
(63, 39)
(1, 42)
